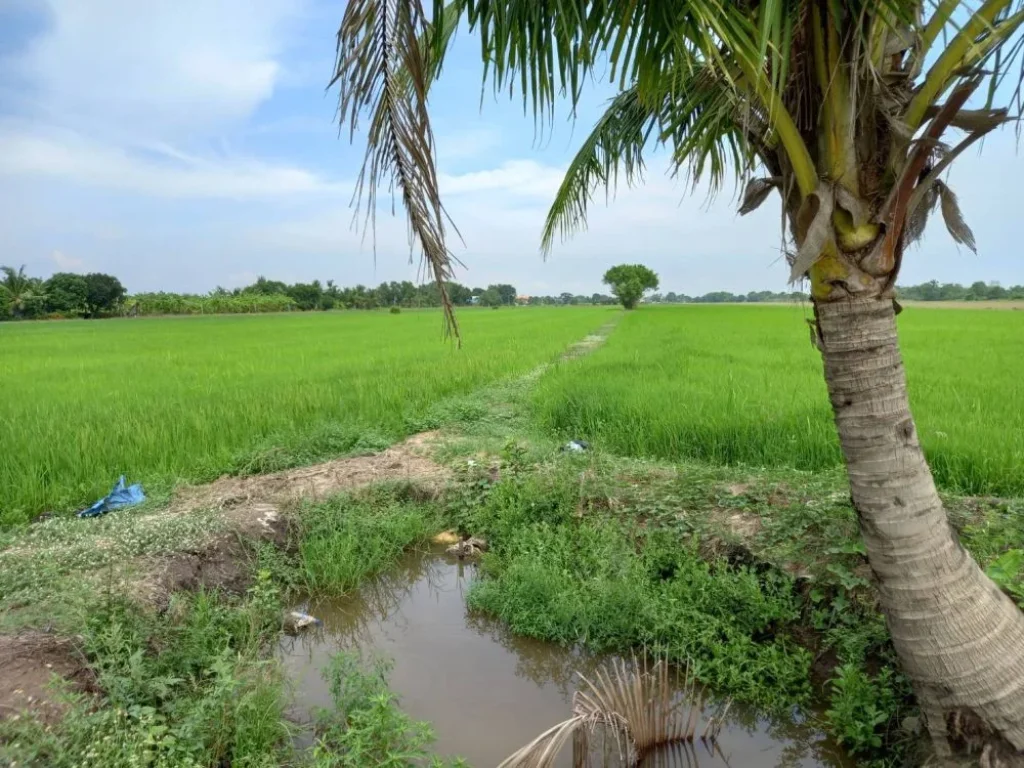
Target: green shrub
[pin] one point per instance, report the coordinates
(612, 586)
(861, 707)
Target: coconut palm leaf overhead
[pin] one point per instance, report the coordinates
(841, 106)
(851, 111)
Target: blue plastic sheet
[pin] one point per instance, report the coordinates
(121, 495)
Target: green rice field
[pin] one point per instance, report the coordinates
(164, 400)
(168, 399)
(743, 385)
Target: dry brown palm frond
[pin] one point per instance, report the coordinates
(756, 192)
(637, 706)
(383, 73)
(542, 751)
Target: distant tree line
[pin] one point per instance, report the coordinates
(979, 291)
(723, 297)
(274, 296)
(930, 291)
(62, 295)
(66, 295)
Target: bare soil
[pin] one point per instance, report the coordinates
(253, 503)
(220, 565)
(255, 507)
(29, 662)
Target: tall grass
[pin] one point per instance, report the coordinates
(743, 385)
(346, 539)
(165, 399)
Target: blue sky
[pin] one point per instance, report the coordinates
(184, 144)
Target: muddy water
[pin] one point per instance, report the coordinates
(485, 691)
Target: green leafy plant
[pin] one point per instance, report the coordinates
(188, 687)
(860, 708)
(611, 586)
(1005, 571)
(366, 726)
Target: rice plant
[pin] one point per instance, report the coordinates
(742, 385)
(169, 399)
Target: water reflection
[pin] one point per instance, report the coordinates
(488, 692)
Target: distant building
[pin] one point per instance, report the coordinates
(522, 299)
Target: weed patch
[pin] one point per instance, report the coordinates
(188, 687)
(366, 726)
(52, 571)
(611, 586)
(338, 542)
(757, 580)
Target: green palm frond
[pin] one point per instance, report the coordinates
(15, 282)
(616, 143)
(707, 128)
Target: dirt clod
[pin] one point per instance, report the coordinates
(744, 525)
(29, 661)
(219, 566)
(446, 537)
(469, 548)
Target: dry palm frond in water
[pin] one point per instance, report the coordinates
(634, 706)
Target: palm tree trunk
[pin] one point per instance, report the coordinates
(959, 638)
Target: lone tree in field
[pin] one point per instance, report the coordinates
(629, 282)
(845, 110)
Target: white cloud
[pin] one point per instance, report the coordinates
(517, 177)
(161, 172)
(500, 213)
(130, 96)
(161, 65)
(66, 263)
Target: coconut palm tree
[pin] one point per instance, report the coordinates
(850, 111)
(19, 292)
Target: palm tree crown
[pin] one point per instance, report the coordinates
(842, 107)
(17, 290)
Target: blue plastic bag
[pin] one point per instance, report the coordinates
(120, 496)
